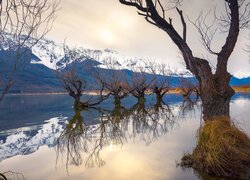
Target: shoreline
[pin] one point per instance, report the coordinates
(95, 92)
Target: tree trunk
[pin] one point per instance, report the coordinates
(214, 106)
(141, 99)
(216, 98)
(157, 91)
(77, 99)
(158, 99)
(77, 102)
(117, 100)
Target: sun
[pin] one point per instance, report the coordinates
(107, 36)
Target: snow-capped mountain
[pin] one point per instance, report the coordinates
(53, 55)
(39, 75)
(48, 52)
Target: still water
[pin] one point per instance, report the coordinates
(43, 137)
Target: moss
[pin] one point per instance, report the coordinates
(222, 150)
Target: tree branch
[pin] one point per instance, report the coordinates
(135, 3)
(231, 39)
(183, 24)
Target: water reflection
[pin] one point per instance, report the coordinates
(188, 105)
(28, 140)
(11, 175)
(73, 139)
(116, 135)
(83, 143)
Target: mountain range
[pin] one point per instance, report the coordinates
(38, 74)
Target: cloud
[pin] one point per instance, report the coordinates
(82, 21)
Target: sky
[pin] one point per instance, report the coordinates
(101, 24)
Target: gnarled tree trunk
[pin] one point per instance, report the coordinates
(215, 99)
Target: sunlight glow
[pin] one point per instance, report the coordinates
(107, 36)
(113, 146)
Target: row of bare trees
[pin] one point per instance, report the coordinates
(149, 78)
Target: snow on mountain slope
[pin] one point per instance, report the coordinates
(48, 52)
(52, 55)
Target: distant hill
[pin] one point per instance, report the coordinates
(31, 77)
(239, 82)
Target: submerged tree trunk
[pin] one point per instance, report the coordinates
(141, 100)
(215, 106)
(216, 94)
(117, 100)
(77, 100)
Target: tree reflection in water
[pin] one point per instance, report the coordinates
(74, 139)
(11, 175)
(83, 143)
(188, 105)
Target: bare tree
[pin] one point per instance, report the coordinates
(188, 86)
(141, 81)
(22, 24)
(114, 80)
(214, 88)
(73, 84)
(162, 82)
(72, 80)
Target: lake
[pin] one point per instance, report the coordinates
(43, 137)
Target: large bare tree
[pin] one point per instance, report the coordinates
(215, 90)
(22, 24)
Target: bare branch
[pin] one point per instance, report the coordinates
(114, 81)
(136, 3)
(231, 39)
(183, 25)
(207, 32)
(23, 23)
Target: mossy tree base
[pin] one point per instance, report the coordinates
(222, 150)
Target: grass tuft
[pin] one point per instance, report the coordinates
(222, 150)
